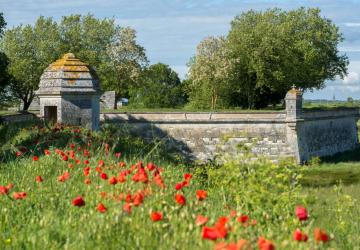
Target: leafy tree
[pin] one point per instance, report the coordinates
(30, 50)
(208, 76)
(3, 62)
(87, 37)
(159, 87)
(276, 49)
(125, 60)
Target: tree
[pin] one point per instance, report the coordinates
(125, 61)
(275, 49)
(159, 87)
(30, 50)
(4, 78)
(209, 73)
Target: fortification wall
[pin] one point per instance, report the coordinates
(202, 136)
(325, 133)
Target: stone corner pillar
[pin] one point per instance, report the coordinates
(294, 119)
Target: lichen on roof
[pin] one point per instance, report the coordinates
(68, 63)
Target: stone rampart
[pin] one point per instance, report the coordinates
(203, 136)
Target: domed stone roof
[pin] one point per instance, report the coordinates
(67, 75)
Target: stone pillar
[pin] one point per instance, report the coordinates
(293, 107)
(293, 104)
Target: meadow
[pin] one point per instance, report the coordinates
(69, 188)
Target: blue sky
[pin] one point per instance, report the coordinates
(170, 29)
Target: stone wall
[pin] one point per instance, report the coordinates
(21, 117)
(202, 136)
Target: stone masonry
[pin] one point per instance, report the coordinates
(294, 133)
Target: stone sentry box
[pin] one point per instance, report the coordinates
(69, 93)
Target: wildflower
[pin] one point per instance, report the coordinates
(35, 158)
(201, 195)
(156, 216)
(78, 201)
(151, 166)
(243, 218)
(103, 176)
(201, 220)
(321, 235)
(265, 244)
(19, 195)
(179, 186)
(300, 236)
(86, 162)
(301, 213)
(39, 179)
(87, 181)
(180, 199)
(101, 208)
(127, 208)
(112, 180)
(3, 190)
(118, 155)
(18, 153)
(86, 171)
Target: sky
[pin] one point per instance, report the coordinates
(170, 30)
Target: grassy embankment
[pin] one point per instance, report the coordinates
(265, 192)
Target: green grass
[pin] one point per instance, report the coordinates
(264, 191)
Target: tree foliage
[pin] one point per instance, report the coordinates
(3, 62)
(125, 61)
(159, 87)
(110, 50)
(30, 50)
(209, 74)
(273, 50)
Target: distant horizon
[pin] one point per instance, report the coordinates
(171, 30)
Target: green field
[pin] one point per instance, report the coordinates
(267, 193)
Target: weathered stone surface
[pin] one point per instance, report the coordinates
(69, 93)
(294, 133)
(107, 100)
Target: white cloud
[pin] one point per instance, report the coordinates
(351, 78)
(352, 24)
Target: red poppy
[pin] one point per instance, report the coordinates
(140, 175)
(78, 201)
(243, 219)
(300, 236)
(216, 232)
(72, 145)
(122, 164)
(86, 171)
(301, 213)
(3, 190)
(201, 195)
(156, 216)
(86, 162)
(18, 153)
(321, 235)
(138, 198)
(101, 208)
(101, 163)
(10, 186)
(121, 177)
(201, 220)
(179, 186)
(127, 208)
(158, 180)
(151, 166)
(70, 165)
(65, 158)
(265, 244)
(87, 181)
(39, 179)
(118, 155)
(112, 180)
(77, 161)
(180, 199)
(103, 176)
(35, 158)
(19, 195)
(187, 176)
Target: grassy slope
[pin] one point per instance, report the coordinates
(107, 231)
